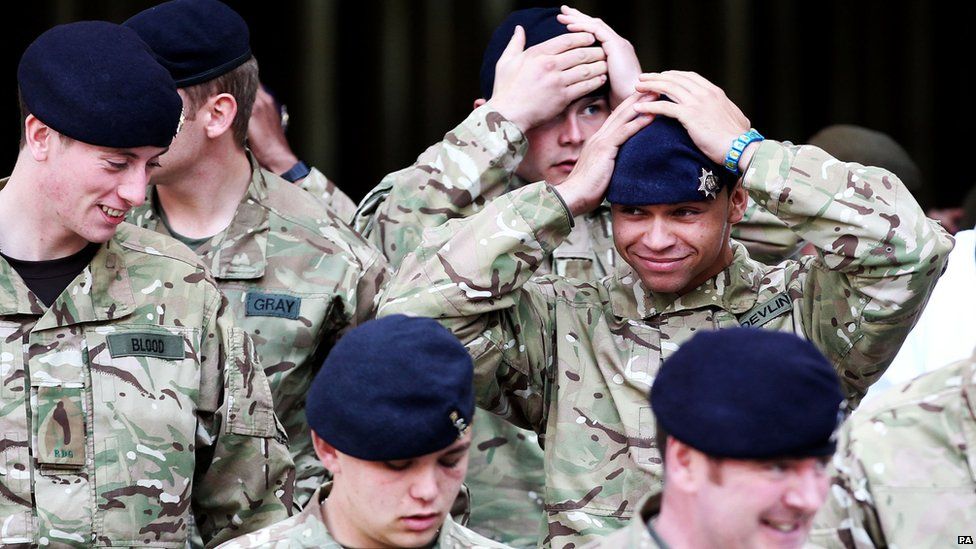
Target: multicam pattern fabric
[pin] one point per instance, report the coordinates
(768, 239)
(574, 360)
(329, 193)
(474, 164)
(295, 278)
(307, 529)
(636, 535)
(905, 467)
(130, 404)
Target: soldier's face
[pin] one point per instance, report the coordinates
(555, 146)
(399, 503)
(749, 504)
(92, 188)
(674, 248)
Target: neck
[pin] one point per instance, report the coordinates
(338, 524)
(201, 201)
(28, 227)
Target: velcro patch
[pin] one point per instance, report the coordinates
(778, 305)
(152, 344)
(279, 305)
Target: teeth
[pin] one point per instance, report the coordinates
(782, 527)
(111, 212)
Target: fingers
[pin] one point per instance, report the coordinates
(515, 46)
(659, 108)
(578, 56)
(587, 71)
(680, 86)
(564, 42)
(579, 89)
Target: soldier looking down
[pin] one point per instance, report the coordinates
(131, 403)
(573, 360)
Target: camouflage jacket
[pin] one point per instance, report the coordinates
(474, 164)
(905, 467)
(131, 402)
(296, 278)
(637, 534)
(329, 194)
(307, 529)
(574, 360)
(768, 239)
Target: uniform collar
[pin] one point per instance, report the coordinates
(735, 289)
(101, 292)
(239, 252)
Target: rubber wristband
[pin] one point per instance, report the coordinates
(296, 172)
(739, 145)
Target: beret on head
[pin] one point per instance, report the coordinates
(196, 40)
(394, 388)
(540, 24)
(660, 164)
(98, 83)
(747, 393)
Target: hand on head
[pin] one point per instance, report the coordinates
(623, 67)
(533, 85)
(266, 136)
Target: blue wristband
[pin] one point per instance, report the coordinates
(739, 145)
(298, 171)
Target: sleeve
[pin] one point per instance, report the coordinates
(451, 179)
(329, 194)
(767, 238)
(472, 275)
(878, 255)
(244, 475)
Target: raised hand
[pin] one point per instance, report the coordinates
(623, 67)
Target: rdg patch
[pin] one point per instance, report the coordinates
(61, 427)
(278, 305)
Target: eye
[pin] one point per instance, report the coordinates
(685, 212)
(118, 166)
(450, 463)
(399, 465)
(154, 164)
(593, 109)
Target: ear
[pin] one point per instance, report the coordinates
(38, 137)
(479, 102)
(738, 200)
(221, 111)
(681, 466)
(327, 454)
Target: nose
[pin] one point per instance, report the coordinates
(133, 187)
(658, 235)
(423, 486)
(808, 490)
(570, 132)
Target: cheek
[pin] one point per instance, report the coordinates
(591, 125)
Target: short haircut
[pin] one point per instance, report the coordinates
(241, 82)
(24, 113)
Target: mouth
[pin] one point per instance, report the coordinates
(566, 165)
(422, 522)
(793, 529)
(661, 264)
(113, 215)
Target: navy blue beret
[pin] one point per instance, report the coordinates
(394, 388)
(747, 393)
(196, 40)
(660, 164)
(98, 83)
(540, 24)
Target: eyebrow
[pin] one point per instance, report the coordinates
(460, 449)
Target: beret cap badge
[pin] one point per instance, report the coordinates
(709, 184)
(459, 423)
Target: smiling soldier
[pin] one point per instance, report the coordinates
(574, 360)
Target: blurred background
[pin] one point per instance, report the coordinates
(370, 84)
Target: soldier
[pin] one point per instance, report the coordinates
(747, 422)
(266, 138)
(131, 402)
(545, 91)
(295, 276)
(398, 456)
(573, 359)
(904, 474)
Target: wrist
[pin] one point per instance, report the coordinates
(747, 155)
(299, 170)
(512, 114)
(736, 158)
(279, 162)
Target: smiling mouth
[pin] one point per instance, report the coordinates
(111, 212)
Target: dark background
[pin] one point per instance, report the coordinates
(370, 84)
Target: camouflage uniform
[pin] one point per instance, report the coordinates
(574, 360)
(768, 239)
(119, 416)
(474, 164)
(637, 534)
(295, 278)
(307, 529)
(329, 193)
(905, 468)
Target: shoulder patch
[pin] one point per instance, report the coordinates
(279, 305)
(152, 344)
(777, 305)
